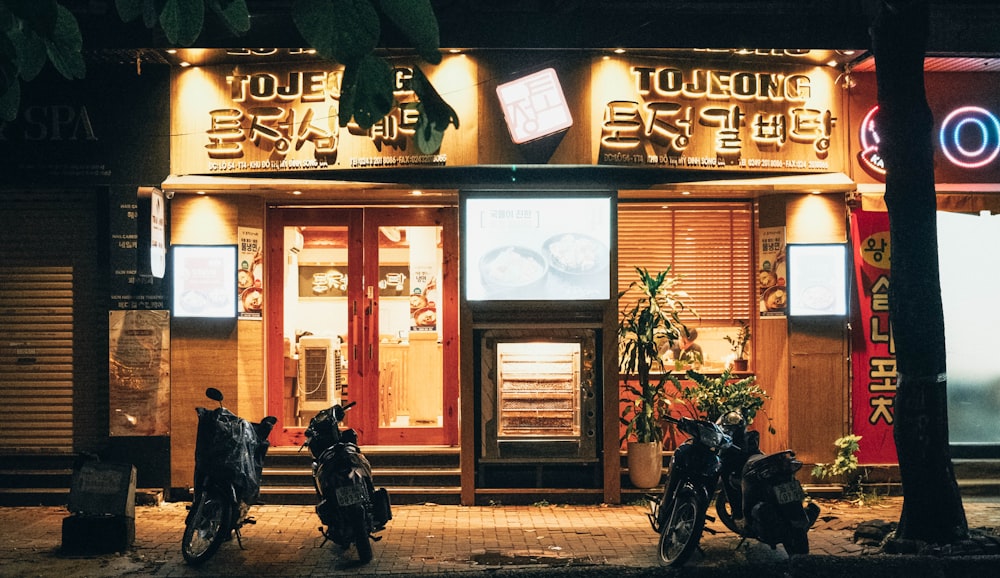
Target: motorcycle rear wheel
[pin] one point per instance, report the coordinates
(724, 509)
(796, 541)
(361, 539)
(681, 533)
(206, 527)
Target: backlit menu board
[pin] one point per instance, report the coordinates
(204, 281)
(554, 249)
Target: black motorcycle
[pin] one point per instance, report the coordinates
(759, 496)
(769, 493)
(350, 507)
(228, 461)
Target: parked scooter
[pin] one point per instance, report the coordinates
(228, 461)
(759, 496)
(770, 497)
(350, 507)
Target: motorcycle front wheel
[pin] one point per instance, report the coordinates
(681, 533)
(206, 527)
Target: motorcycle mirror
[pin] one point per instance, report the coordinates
(214, 394)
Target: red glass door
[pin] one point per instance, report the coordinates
(362, 306)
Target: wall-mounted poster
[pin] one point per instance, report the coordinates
(771, 288)
(250, 277)
(139, 372)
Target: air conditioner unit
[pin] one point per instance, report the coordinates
(320, 381)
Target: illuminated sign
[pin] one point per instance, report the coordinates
(969, 137)
(710, 118)
(534, 106)
(205, 281)
(264, 119)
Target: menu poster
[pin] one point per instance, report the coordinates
(250, 277)
(205, 281)
(423, 299)
(139, 372)
(771, 267)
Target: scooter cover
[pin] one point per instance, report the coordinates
(228, 449)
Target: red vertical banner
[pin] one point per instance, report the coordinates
(874, 353)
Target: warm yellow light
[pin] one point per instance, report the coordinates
(416, 193)
(296, 192)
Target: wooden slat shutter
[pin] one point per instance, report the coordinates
(708, 244)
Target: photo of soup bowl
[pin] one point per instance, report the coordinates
(512, 268)
(575, 255)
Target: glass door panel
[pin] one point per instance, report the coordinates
(410, 357)
(316, 320)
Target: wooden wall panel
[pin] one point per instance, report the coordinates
(770, 345)
(817, 389)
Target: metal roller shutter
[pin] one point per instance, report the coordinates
(36, 358)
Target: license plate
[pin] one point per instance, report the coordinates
(350, 495)
(789, 492)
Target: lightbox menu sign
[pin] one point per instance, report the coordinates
(205, 281)
(551, 249)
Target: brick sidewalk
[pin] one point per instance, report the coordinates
(428, 540)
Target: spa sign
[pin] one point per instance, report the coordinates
(708, 117)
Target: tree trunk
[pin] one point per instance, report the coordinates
(932, 506)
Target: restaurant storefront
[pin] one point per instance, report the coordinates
(413, 280)
(375, 269)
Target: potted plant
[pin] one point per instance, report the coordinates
(738, 344)
(650, 317)
(711, 397)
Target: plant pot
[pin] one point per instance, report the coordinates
(645, 464)
(740, 364)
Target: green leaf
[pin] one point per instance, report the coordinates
(416, 20)
(64, 49)
(31, 53)
(39, 15)
(10, 101)
(348, 88)
(373, 93)
(435, 114)
(182, 20)
(233, 13)
(129, 10)
(344, 30)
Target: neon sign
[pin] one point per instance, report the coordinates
(970, 125)
(969, 138)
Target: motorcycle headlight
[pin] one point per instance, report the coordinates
(711, 436)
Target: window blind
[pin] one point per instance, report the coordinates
(709, 245)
